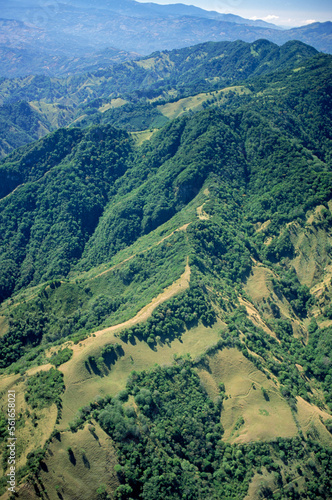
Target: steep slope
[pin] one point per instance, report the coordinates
(20, 124)
(181, 288)
(57, 186)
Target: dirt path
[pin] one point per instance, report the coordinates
(12, 192)
(201, 214)
(183, 228)
(103, 336)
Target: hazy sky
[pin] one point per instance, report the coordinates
(286, 13)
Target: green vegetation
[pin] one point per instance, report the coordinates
(62, 309)
(65, 188)
(234, 199)
(171, 319)
(44, 388)
(155, 80)
(61, 356)
(171, 445)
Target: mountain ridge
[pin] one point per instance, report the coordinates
(59, 102)
(127, 384)
(63, 31)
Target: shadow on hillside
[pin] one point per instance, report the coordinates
(107, 358)
(72, 457)
(86, 462)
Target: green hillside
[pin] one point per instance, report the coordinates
(165, 295)
(92, 98)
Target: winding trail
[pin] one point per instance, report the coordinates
(12, 192)
(101, 337)
(183, 228)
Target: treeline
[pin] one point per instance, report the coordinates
(44, 388)
(72, 310)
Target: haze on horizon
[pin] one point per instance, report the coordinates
(286, 13)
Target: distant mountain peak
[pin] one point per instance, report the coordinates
(47, 38)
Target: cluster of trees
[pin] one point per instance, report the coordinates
(108, 356)
(25, 331)
(286, 179)
(19, 125)
(44, 388)
(171, 444)
(61, 356)
(171, 319)
(220, 248)
(130, 116)
(317, 358)
(298, 295)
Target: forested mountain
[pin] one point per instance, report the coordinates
(165, 285)
(141, 85)
(48, 38)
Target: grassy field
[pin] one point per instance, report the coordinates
(153, 62)
(289, 475)
(33, 427)
(56, 115)
(142, 136)
(82, 387)
(114, 103)
(195, 103)
(256, 285)
(79, 473)
(310, 418)
(263, 419)
(259, 288)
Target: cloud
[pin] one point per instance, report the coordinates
(310, 21)
(270, 17)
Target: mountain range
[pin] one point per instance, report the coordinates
(130, 94)
(166, 276)
(63, 38)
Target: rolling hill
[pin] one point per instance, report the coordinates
(165, 286)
